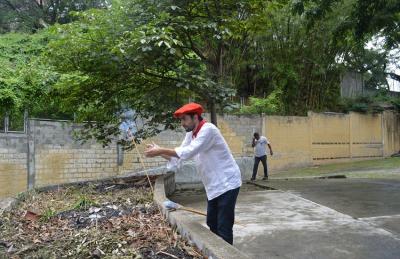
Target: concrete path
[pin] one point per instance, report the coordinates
(282, 224)
(371, 200)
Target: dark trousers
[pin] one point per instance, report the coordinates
(257, 160)
(221, 214)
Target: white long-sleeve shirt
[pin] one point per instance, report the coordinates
(217, 167)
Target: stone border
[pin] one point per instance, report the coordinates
(7, 204)
(210, 244)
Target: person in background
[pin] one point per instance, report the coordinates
(260, 154)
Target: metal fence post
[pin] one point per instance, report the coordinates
(6, 121)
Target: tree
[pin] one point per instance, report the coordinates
(25, 82)
(294, 63)
(368, 19)
(147, 56)
(32, 15)
(217, 33)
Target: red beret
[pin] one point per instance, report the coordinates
(189, 108)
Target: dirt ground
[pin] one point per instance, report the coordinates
(114, 219)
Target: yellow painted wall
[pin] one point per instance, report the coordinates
(330, 138)
(296, 141)
(13, 172)
(290, 141)
(56, 166)
(367, 138)
(13, 179)
(391, 132)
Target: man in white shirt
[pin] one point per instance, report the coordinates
(260, 154)
(218, 169)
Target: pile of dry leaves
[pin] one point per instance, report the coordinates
(98, 220)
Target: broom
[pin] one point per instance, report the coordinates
(170, 205)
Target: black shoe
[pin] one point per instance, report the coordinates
(252, 179)
(265, 178)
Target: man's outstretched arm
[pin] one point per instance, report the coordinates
(166, 153)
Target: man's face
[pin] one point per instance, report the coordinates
(256, 136)
(188, 122)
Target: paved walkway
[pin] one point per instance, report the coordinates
(303, 219)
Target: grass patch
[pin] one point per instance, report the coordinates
(83, 203)
(356, 168)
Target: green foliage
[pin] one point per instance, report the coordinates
(298, 62)
(25, 81)
(269, 105)
(396, 103)
(367, 20)
(32, 15)
(148, 57)
(48, 214)
(83, 203)
(372, 103)
(152, 56)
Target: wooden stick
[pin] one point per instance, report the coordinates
(192, 210)
(199, 212)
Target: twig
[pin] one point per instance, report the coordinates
(162, 252)
(109, 187)
(148, 179)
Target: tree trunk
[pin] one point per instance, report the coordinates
(213, 111)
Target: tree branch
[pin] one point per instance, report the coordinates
(38, 4)
(160, 76)
(11, 5)
(194, 48)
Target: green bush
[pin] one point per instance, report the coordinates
(370, 104)
(270, 105)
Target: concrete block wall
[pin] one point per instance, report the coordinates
(238, 132)
(132, 159)
(59, 158)
(47, 152)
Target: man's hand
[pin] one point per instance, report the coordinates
(270, 151)
(152, 150)
(253, 143)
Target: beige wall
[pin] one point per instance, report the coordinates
(391, 132)
(290, 140)
(296, 141)
(58, 158)
(330, 137)
(366, 137)
(322, 138)
(13, 177)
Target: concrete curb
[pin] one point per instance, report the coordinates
(265, 184)
(210, 244)
(328, 176)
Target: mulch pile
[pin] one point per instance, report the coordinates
(114, 219)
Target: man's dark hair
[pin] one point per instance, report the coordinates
(256, 134)
(192, 116)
